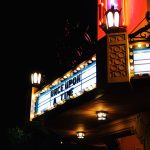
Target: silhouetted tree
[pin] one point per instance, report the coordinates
(76, 44)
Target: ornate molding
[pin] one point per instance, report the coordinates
(143, 34)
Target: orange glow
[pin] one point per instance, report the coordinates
(130, 143)
(101, 9)
(123, 13)
(100, 23)
(137, 12)
(80, 134)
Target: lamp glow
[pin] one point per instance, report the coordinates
(36, 78)
(80, 134)
(101, 115)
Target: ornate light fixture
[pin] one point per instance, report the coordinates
(80, 134)
(36, 78)
(112, 21)
(112, 17)
(101, 115)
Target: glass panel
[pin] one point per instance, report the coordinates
(116, 19)
(110, 19)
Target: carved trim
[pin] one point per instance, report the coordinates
(117, 58)
(143, 34)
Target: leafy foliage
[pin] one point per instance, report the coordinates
(18, 136)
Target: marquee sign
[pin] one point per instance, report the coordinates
(142, 61)
(80, 81)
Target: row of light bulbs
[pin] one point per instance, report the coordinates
(36, 77)
(78, 68)
(138, 45)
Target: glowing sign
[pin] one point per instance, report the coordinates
(72, 87)
(141, 59)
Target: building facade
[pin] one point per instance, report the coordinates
(106, 98)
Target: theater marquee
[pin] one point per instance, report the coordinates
(69, 86)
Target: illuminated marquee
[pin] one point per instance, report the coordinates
(69, 88)
(140, 60)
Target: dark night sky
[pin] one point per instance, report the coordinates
(31, 31)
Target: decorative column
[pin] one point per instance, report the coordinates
(33, 100)
(35, 80)
(117, 57)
